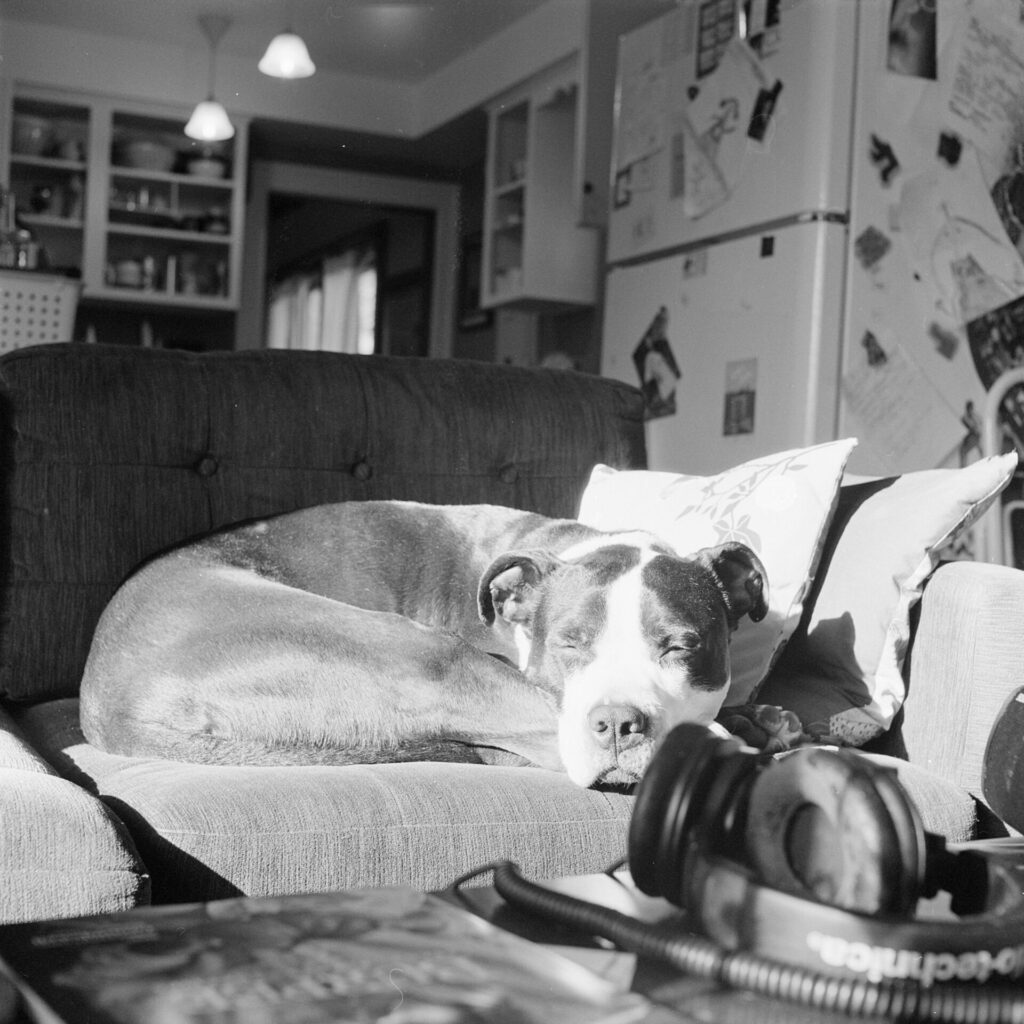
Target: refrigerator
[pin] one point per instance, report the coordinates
(813, 230)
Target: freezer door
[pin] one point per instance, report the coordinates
(736, 345)
(690, 161)
(928, 253)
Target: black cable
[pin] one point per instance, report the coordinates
(899, 1000)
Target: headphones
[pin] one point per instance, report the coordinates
(819, 858)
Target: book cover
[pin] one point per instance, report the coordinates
(396, 956)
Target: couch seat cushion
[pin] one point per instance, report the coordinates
(212, 831)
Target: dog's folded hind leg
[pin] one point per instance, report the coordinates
(282, 676)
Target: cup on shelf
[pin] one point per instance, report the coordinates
(128, 274)
(71, 149)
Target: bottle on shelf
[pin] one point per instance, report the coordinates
(8, 244)
(18, 246)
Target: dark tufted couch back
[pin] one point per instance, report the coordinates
(111, 454)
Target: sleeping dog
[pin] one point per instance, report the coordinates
(393, 631)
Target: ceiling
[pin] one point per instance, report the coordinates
(400, 41)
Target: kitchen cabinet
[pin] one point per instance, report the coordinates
(47, 173)
(117, 194)
(536, 255)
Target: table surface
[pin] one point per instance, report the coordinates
(688, 998)
(691, 998)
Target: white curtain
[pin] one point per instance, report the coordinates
(333, 310)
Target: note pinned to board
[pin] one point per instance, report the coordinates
(714, 128)
(899, 414)
(985, 91)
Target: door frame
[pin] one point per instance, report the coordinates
(270, 176)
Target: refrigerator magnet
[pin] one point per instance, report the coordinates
(740, 397)
(657, 368)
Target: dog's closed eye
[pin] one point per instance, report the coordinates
(680, 645)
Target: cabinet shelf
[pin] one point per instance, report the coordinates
(45, 220)
(510, 188)
(152, 297)
(52, 163)
(171, 177)
(175, 234)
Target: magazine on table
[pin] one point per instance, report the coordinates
(394, 955)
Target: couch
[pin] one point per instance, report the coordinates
(111, 454)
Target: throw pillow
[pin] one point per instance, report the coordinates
(779, 505)
(842, 671)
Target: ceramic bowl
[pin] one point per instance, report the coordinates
(146, 155)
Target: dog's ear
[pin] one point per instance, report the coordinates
(743, 578)
(509, 587)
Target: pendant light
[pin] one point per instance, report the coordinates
(287, 57)
(209, 121)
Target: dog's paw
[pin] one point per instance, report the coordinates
(765, 727)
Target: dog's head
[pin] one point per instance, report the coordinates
(629, 639)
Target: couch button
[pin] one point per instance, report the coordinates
(362, 470)
(508, 474)
(206, 466)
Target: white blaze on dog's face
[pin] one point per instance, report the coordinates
(632, 640)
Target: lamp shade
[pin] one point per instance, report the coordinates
(209, 122)
(287, 57)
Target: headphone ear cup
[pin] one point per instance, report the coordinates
(688, 796)
(665, 807)
(831, 826)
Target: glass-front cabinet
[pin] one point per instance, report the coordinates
(117, 194)
(170, 214)
(47, 175)
(537, 255)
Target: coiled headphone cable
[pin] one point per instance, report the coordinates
(951, 1003)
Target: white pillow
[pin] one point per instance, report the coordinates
(779, 505)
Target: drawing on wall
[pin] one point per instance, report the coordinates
(740, 396)
(657, 368)
(957, 243)
(716, 124)
(912, 38)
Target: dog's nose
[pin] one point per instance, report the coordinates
(618, 725)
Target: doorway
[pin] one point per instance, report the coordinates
(348, 277)
(417, 220)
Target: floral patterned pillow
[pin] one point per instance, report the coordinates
(779, 505)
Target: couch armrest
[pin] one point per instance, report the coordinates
(62, 851)
(966, 660)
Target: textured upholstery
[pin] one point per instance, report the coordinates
(967, 659)
(209, 832)
(115, 453)
(61, 851)
(112, 454)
